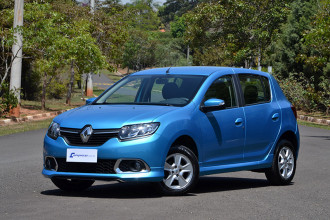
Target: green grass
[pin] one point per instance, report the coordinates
(97, 91)
(58, 104)
(310, 124)
(25, 126)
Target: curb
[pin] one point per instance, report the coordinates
(315, 120)
(31, 117)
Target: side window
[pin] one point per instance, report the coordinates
(265, 83)
(222, 88)
(255, 88)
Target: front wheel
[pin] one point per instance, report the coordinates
(181, 171)
(284, 164)
(72, 185)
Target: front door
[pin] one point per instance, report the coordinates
(223, 130)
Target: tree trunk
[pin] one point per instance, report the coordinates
(70, 85)
(188, 51)
(89, 85)
(82, 87)
(43, 95)
(259, 56)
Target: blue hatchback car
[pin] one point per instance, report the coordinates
(172, 125)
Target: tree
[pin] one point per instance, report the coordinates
(56, 41)
(143, 15)
(82, 52)
(238, 31)
(301, 52)
(8, 99)
(43, 34)
(318, 38)
(289, 43)
(176, 8)
(139, 51)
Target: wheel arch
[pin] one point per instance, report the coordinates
(290, 136)
(187, 141)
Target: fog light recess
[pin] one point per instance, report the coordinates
(131, 166)
(50, 163)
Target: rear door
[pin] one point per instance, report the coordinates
(263, 116)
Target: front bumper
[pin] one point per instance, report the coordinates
(152, 150)
(156, 174)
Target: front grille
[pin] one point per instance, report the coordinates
(102, 166)
(98, 137)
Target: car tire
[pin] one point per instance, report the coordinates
(284, 164)
(181, 171)
(72, 185)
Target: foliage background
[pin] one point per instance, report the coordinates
(63, 40)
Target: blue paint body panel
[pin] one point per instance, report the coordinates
(233, 139)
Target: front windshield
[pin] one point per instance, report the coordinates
(177, 90)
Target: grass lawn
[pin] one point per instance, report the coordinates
(59, 104)
(25, 126)
(310, 124)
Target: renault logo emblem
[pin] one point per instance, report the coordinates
(86, 134)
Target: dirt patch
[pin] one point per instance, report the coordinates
(30, 111)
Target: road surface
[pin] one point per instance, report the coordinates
(26, 194)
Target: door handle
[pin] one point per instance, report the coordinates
(275, 116)
(239, 122)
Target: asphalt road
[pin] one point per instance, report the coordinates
(101, 81)
(26, 194)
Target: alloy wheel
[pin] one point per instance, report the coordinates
(285, 162)
(178, 171)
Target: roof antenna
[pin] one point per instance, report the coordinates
(168, 71)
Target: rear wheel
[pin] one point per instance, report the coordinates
(284, 164)
(181, 171)
(72, 185)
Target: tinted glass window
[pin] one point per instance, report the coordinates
(265, 83)
(222, 88)
(255, 88)
(176, 90)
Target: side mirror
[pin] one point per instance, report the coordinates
(213, 105)
(89, 101)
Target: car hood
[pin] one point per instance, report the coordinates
(110, 116)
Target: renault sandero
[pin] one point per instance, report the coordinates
(172, 125)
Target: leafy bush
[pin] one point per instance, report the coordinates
(56, 90)
(299, 91)
(8, 99)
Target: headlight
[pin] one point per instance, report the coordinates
(54, 130)
(138, 130)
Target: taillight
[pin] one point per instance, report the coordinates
(294, 111)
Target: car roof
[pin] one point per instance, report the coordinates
(196, 70)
